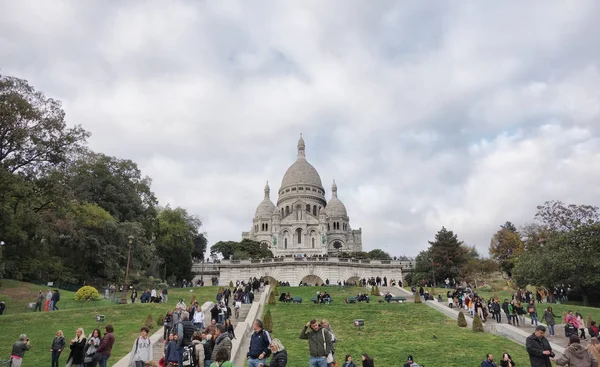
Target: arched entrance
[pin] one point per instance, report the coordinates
(352, 280)
(312, 280)
(272, 281)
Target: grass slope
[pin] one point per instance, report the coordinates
(42, 326)
(390, 334)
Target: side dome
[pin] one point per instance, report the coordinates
(266, 207)
(301, 172)
(335, 207)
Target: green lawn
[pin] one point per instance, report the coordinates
(391, 333)
(558, 309)
(42, 326)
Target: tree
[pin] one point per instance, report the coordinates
(268, 322)
(200, 243)
(447, 255)
(462, 322)
(565, 258)
(559, 217)
(246, 249)
(505, 247)
(477, 324)
(478, 269)
(378, 254)
(33, 131)
(509, 226)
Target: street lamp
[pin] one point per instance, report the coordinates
(124, 295)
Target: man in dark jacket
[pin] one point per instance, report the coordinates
(319, 343)
(506, 310)
(259, 345)
(489, 361)
(55, 299)
(539, 348)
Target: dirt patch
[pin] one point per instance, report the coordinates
(19, 295)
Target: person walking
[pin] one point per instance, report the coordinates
(49, 303)
(576, 355)
(259, 345)
(58, 344)
(539, 348)
(532, 313)
(319, 343)
(550, 320)
(38, 302)
(18, 350)
(141, 353)
(77, 346)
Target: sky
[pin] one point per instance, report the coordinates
(463, 114)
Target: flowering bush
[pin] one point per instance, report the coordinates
(87, 293)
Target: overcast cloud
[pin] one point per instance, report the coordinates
(427, 114)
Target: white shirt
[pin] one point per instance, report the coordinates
(198, 316)
(153, 293)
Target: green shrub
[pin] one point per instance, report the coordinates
(231, 284)
(477, 324)
(272, 298)
(149, 323)
(87, 293)
(485, 288)
(462, 322)
(268, 321)
(160, 320)
(375, 291)
(417, 298)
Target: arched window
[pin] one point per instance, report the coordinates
(266, 226)
(287, 210)
(308, 208)
(299, 235)
(282, 212)
(315, 210)
(328, 227)
(313, 242)
(285, 243)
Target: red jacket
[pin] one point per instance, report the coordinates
(106, 344)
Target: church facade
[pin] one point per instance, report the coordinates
(303, 222)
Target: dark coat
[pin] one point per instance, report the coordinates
(279, 359)
(77, 351)
(535, 348)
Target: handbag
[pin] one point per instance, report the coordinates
(330, 355)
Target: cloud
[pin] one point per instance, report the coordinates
(426, 115)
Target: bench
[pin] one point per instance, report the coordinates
(316, 300)
(351, 299)
(398, 299)
(296, 299)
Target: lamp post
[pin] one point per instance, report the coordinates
(124, 295)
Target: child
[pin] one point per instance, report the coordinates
(171, 354)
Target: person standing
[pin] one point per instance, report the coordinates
(319, 343)
(54, 300)
(576, 355)
(259, 345)
(58, 344)
(77, 347)
(38, 302)
(49, 303)
(103, 352)
(141, 353)
(199, 319)
(133, 295)
(93, 341)
(165, 294)
(539, 348)
(550, 320)
(18, 350)
(222, 342)
(152, 295)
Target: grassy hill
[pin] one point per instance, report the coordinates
(42, 326)
(391, 332)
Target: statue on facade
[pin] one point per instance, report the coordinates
(274, 242)
(323, 238)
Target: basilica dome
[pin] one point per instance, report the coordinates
(266, 207)
(335, 207)
(301, 172)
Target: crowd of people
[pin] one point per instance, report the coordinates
(47, 301)
(91, 351)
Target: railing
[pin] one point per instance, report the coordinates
(312, 259)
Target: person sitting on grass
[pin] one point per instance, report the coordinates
(489, 361)
(348, 361)
(507, 361)
(593, 330)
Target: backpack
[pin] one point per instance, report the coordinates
(188, 358)
(267, 340)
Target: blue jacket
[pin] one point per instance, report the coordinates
(259, 343)
(172, 353)
(487, 363)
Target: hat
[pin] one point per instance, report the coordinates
(410, 357)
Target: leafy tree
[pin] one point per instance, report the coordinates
(506, 245)
(200, 243)
(378, 254)
(231, 250)
(509, 227)
(559, 217)
(479, 268)
(565, 258)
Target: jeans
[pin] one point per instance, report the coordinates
(165, 298)
(534, 319)
(551, 329)
(103, 361)
(198, 325)
(207, 363)
(317, 362)
(498, 317)
(507, 317)
(221, 319)
(55, 357)
(51, 307)
(253, 362)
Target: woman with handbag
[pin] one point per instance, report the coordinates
(77, 355)
(90, 347)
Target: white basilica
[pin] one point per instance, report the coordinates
(303, 222)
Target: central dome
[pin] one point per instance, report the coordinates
(301, 172)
